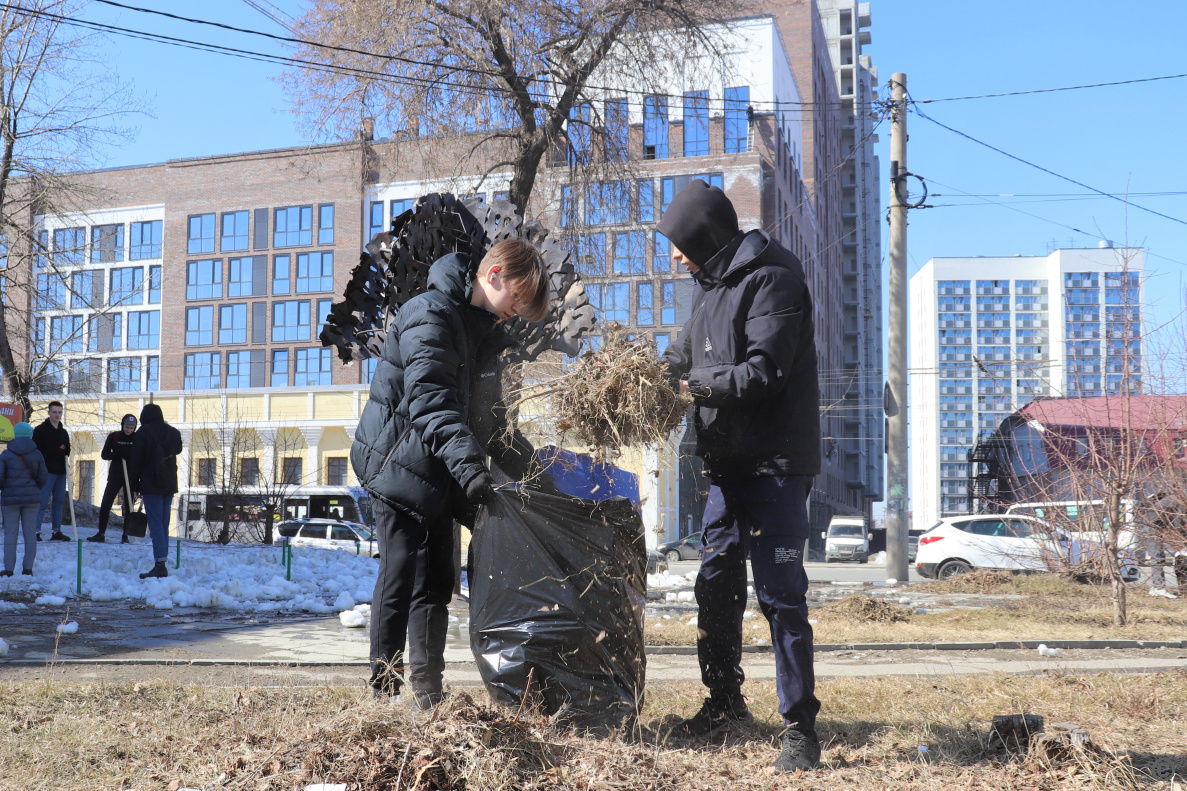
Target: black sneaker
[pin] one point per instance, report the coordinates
(27, 572)
(98, 538)
(801, 750)
(39, 536)
(717, 711)
(428, 699)
(124, 540)
(158, 570)
(59, 536)
(5, 573)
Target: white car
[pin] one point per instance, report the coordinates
(328, 534)
(991, 541)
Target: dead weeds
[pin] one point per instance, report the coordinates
(864, 609)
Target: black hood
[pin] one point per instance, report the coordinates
(700, 221)
(453, 275)
(150, 413)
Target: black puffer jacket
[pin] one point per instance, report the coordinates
(749, 354)
(413, 445)
(155, 446)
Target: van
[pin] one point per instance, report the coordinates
(848, 538)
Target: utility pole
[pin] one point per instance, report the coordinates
(897, 551)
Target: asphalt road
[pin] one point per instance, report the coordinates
(819, 572)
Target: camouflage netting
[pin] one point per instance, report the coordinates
(394, 267)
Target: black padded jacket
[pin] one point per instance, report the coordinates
(749, 354)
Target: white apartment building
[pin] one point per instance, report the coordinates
(989, 335)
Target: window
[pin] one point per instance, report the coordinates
(291, 471)
(86, 481)
(591, 254)
(200, 236)
(325, 223)
(336, 471)
(667, 191)
(65, 334)
(645, 300)
(152, 377)
(279, 376)
(315, 272)
(281, 274)
(199, 326)
(105, 333)
(82, 289)
(202, 371)
(235, 232)
(737, 125)
(661, 258)
(107, 244)
(239, 277)
(154, 285)
(568, 206)
(127, 285)
(145, 240)
(376, 219)
(655, 127)
(629, 258)
(662, 339)
(249, 472)
(123, 375)
(617, 137)
(675, 301)
(204, 280)
(207, 471)
(232, 324)
(645, 211)
(607, 202)
(696, 123)
(70, 245)
(290, 320)
(294, 226)
(579, 134)
(144, 329)
(238, 369)
(323, 313)
(313, 367)
(616, 303)
(405, 204)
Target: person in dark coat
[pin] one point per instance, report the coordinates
(747, 355)
(22, 477)
(153, 470)
(53, 440)
(117, 450)
(415, 453)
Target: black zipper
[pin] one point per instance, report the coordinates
(399, 440)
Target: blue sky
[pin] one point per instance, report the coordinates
(1116, 139)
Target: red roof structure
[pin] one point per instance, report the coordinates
(1142, 413)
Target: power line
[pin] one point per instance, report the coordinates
(1052, 90)
(1048, 171)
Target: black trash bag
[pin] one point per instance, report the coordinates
(557, 594)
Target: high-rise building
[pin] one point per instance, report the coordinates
(989, 335)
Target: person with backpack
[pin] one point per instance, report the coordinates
(117, 450)
(53, 441)
(417, 455)
(22, 477)
(153, 470)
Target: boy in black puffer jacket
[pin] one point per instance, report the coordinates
(417, 456)
(117, 450)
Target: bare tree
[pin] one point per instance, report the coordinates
(59, 108)
(516, 80)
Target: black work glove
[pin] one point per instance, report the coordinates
(480, 490)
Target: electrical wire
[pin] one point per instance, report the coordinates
(1053, 90)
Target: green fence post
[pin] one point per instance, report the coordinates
(78, 580)
(177, 563)
(357, 550)
(288, 568)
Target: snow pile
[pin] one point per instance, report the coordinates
(358, 615)
(68, 628)
(234, 577)
(665, 580)
(878, 558)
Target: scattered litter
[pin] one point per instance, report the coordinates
(1163, 592)
(53, 601)
(923, 748)
(352, 619)
(68, 628)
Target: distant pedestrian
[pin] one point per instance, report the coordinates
(53, 440)
(117, 450)
(22, 477)
(154, 474)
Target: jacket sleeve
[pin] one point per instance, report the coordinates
(136, 459)
(431, 386)
(41, 472)
(679, 354)
(772, 333)
(3, 470)
(108, 452)
(66, 444)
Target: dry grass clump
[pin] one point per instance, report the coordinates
(975, 581)
(617, 396)
(865, 609)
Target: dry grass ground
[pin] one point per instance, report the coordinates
(1051, 608)
(61, 736)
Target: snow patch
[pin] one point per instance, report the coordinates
(53, 601)
(352, 619)
(68, 628)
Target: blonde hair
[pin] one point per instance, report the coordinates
(522, 267)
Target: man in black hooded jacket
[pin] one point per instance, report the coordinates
(747, 356)
(117, 450)
(153, 468)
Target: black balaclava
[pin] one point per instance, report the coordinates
(701, 222)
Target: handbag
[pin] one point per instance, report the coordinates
(135, 523)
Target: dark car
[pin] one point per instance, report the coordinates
(656, 562)
(687, 548)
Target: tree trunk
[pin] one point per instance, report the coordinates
(1112, 562)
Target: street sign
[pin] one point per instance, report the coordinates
(10, 415)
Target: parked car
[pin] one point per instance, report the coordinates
(1012, 543)
(913, 543)
(328, 534)
(847, 538)
(687, 548)
(656, 562)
